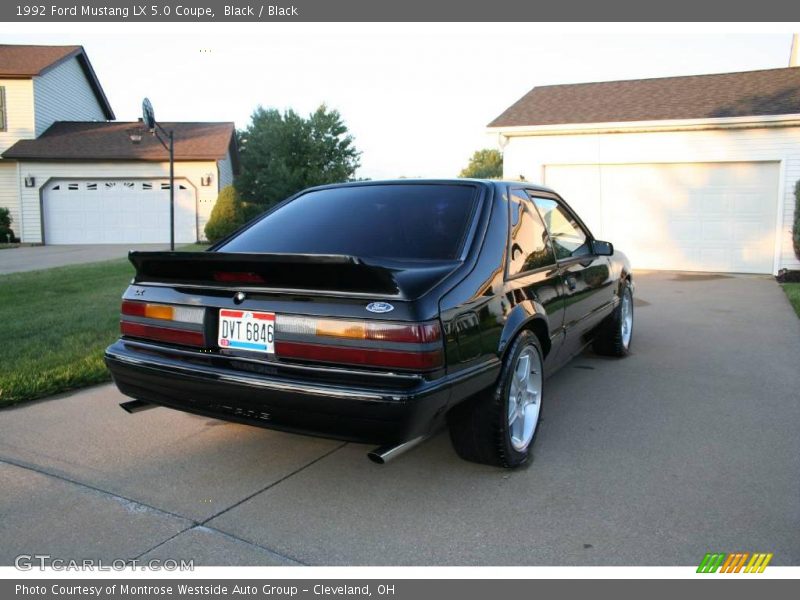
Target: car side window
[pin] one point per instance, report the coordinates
(530, 247)
(568, 237)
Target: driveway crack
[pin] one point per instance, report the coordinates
(274, 483)
(192, 523)
(87, 486)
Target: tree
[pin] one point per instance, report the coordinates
(484, 164)
(229, 213)
(285, 153)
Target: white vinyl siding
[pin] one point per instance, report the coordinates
(64, 94)
(188, 173)
(529, 155)
(19, 112)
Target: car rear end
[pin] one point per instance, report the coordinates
(319, 318)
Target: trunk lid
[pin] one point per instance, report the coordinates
(313, 274)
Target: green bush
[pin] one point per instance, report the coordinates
(229, 213)
(7, 236)
(796, 228)
(6, 233)
(5, 218)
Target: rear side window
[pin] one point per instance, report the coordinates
(403, 221)
(530, 247)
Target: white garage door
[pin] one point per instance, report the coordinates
(97, 211)
(693, 217)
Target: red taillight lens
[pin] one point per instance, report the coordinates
(413, 346)
(163, 322)
(162, 334)
(371, 357)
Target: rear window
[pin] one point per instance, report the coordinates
(414, 222)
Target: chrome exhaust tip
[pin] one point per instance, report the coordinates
(134, 406)
(384, 454)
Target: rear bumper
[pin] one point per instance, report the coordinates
(348, 412)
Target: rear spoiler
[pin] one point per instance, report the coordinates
(307, 272)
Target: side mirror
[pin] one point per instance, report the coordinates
(602, 248)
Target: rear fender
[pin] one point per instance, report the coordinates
(525, 315)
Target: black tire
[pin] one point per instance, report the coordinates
(479, 427)
(610, 337)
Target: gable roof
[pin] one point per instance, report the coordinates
(748, 93)
(88, 140)
(25, 62)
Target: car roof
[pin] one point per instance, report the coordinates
(439, 181)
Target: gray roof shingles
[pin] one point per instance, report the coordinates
(29, 61)
(26, 61)
(749, 93)
(100, 140)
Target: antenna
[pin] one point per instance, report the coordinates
(148, 116)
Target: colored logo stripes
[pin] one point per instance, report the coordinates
(734, 562)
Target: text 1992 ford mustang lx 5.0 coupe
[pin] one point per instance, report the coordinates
(377, 311)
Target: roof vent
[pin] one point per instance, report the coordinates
(794, 55)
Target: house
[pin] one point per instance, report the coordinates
(71, 174)
(687, 173)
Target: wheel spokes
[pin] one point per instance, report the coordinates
(524, 394)
(512, 410)
(529, 421)
(626, 318)
(523, 368)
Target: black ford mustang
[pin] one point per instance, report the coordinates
(376, 311)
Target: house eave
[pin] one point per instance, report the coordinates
(79, 53)
(748, 122)
(115, 159)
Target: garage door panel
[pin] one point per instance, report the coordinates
(717, 231)
(583, 195)
(685, 229)
(693, 216)
(715, 259)
(114, 212)
(748, 203)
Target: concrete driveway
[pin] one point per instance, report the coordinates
(31, 258)
(690, 445)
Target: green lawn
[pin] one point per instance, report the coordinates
(793, 292)
(55, 324)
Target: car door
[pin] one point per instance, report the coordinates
(588, 287)
(533, 279)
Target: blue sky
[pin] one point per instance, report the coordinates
(415, 96)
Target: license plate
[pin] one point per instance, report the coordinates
(247, 330)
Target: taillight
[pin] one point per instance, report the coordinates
(163, 322)
(414, 346)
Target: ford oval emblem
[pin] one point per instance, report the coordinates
(380, 307)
